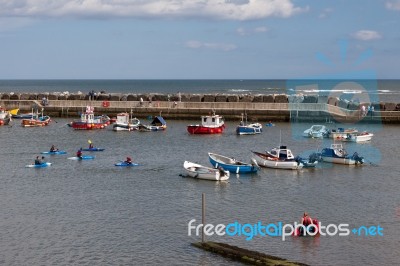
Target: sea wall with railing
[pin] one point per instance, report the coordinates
(260, 107)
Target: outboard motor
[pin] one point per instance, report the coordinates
(358, 159)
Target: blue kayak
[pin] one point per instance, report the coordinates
(93, 149)
(84, 157)
(54, 152)
(126, 164)
(38, 165)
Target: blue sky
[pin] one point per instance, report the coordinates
(197, 39)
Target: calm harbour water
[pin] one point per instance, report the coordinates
(92, 213)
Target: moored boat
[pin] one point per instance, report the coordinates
(337, 154)
(231, 164)
(210, 124)
(87, 121)
(36, 121)
(5, 117)
(125, 123)
(316, 131)
(279, 158)
(158, 124)
(358, 137)
(206, 173)
(340, 132)
(248, 129)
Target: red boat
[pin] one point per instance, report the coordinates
(210, 124)
(88, 121)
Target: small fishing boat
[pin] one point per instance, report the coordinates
(84, 157)
(93, 149)
(316, 131)
(125, 123)
(5, 117)
(54, 152)
(126, 164)
(248, 129)
(279, 158)
(231, 164)
(210, 124)
(340, 132)
(87, 121)
(36, 121)
(358, 137)
(158, 124)
(206, 173)
(337, 154)
(41, 165)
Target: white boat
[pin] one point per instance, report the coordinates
(279, 158)
(316, 131)
(340, 132)
(125, 123)
(5, 117)
(337, 154)
(358, 137)
(206, 173)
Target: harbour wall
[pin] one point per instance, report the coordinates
(260, 107)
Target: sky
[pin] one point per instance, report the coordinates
(198, 39)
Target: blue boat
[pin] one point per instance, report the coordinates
(231, 164)
(45, 164)
(248, 129)
(54, 152)
(337, 154)
(126, 164)
(93, 149)
(84, 157)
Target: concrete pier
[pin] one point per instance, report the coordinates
(276, 107)
(244, 255)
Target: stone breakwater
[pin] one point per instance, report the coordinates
(263, 107)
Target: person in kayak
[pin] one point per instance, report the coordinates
(79, 154)
(38, 161)
(90, 145)
(306, 221)
(128, 160)
(53, 148)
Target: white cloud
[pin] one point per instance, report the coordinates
(215, 46)
(367, 35)
(217, 9)
(243, 31)
(393, 5)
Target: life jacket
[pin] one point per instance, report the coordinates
(307, 221)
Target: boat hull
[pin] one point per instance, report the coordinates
(42, 165)
(87, 126)
(93, 149)
(125, 164)
(359, 138)
(85, 157)
(248, 130)
(202, 172)
(264, 160)
(230, 164)
(124, 127)
(54, 152)
(197, 129)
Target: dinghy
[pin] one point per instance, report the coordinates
(231, 164)
(206, 173)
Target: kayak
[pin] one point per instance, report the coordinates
(54, 152)
(38, 165)
(84, 157)
(93, 149)
(126, 164)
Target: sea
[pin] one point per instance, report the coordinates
(94, 213)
